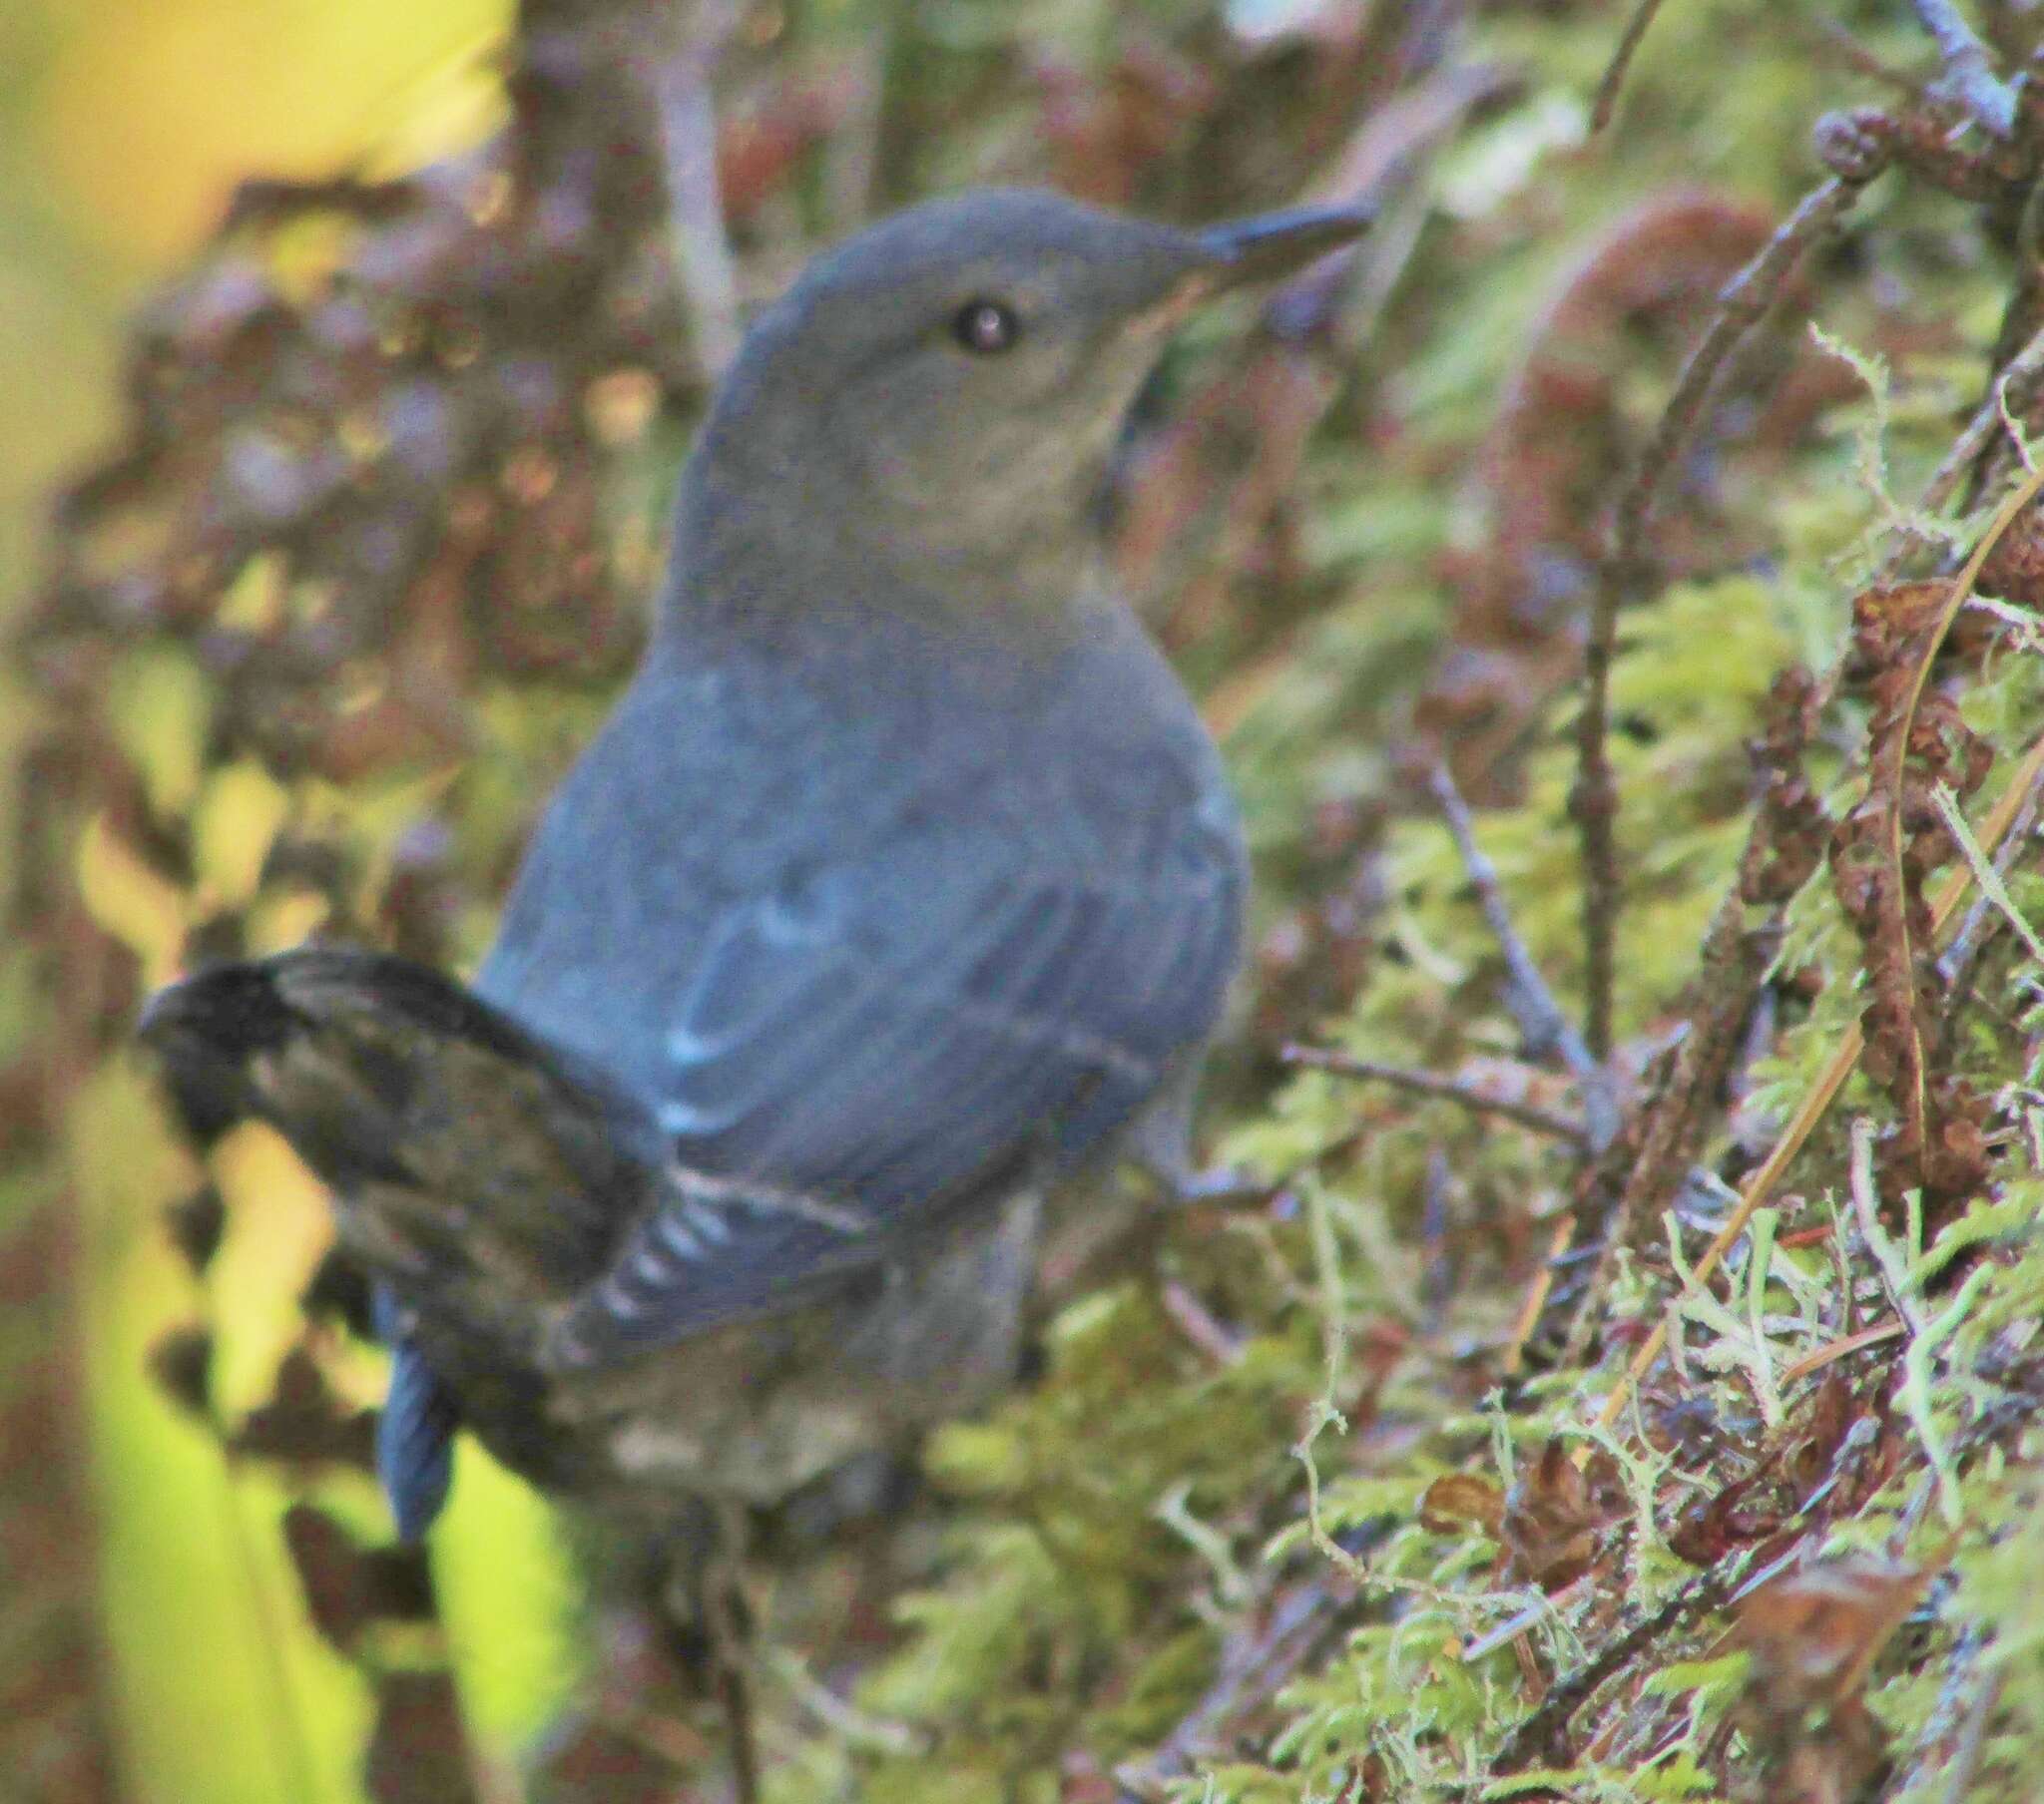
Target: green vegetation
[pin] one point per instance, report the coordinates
(1345, 1492)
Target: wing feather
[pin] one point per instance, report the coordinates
(848, 1039)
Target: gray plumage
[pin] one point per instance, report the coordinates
(957, 918)
(904, 876)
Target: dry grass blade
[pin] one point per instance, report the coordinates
(1841, 1062)
(1621, 61)
(1895, 777)
(1834, 1351)
(1537, 1295)
(1954, 964)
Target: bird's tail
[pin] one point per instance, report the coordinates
(415, 1428)
(479, 1175)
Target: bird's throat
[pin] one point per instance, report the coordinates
(756, 543)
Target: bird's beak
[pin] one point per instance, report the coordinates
(1272, 245)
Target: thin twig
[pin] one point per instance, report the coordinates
(1254, 1665)
(1955, 964)
(688, 140)
(1968, 79)
(1432, 1083)
(1843, 1348)
(1832, 37)
(1668, 1123)
(1535, 1305)
(2011, 391)
(1514, 1628)
(1829, 1082)
(1972, 1748)
(1199, 1324)
(1623, 570)
(1534, 1738)
(1545, 1028)
(1606, 102)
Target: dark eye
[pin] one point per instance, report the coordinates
(985, 328)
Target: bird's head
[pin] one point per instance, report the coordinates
(941, 391)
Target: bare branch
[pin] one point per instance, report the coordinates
(1782, 850)
(2013, 391)
(1969, 80)
(1432, 1083)
(1546, 1029)
(1833, 40)
(1626, 566)
(1621, 61)
(687, 140)
(1745, 300)
(1256, 1662)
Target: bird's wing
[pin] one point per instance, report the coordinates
(863, 1044)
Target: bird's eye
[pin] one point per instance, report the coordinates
(986, 327)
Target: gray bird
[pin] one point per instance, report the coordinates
(903, 883)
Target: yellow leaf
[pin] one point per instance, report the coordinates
(152, 113)
(253, 601)
(135, 903)
(277, 1229)
(232, 826)
(288, 920)
(160, 712)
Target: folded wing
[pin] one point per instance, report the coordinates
(862, 1048)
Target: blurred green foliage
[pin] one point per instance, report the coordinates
(1113, 1541)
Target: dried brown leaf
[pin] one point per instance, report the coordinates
(303, 1423)
(1813, 1633)
(1556, 1515)
(1460, 1499)
(418, 1750)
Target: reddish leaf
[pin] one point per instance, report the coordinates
(1459, 1499)
(418, 1750)
(1556, 1513)
(181, 1362)
(303, 1424)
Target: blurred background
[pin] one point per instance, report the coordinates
(127, 129)
(348, 348)
(155, 1649)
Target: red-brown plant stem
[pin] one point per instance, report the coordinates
(1614, 71)
(1845, 1056)
(1432, 1083)
(1626, 565)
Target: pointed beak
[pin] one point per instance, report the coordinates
(1274, 244)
